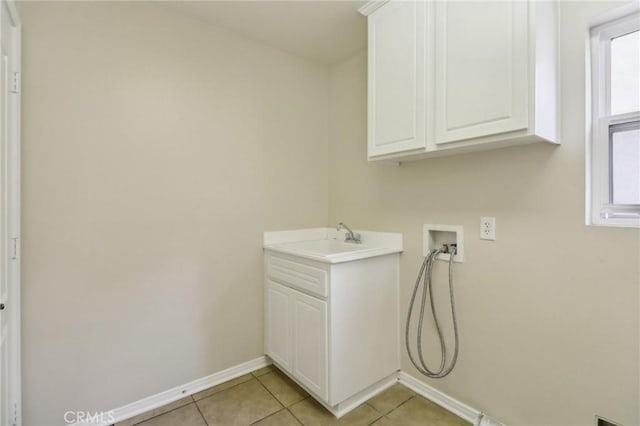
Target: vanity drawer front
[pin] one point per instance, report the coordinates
(298, 275)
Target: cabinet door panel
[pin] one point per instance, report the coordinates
(310, 343)
(482, 65)
(278, 324)
(396, 78)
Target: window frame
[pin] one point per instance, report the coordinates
(599, 210)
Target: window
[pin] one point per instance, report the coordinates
(613, 160)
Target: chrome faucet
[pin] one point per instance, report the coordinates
(350, 237)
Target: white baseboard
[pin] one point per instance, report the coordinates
(345, 406)
(163, 398)
(445, 401)
(458, 408)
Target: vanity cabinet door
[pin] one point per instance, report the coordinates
(481, 68)
(296, 335)
(278, 317)
(396, 110)
(310, 348)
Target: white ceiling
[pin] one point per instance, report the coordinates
(322, 31)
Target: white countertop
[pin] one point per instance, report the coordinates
(327, 245)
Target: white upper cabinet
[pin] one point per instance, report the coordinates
(396, 82)
(449, 77)
(481, 69)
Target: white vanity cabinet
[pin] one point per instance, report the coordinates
(333, 324)
(455, 76)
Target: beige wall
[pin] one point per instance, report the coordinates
(157, 149)
(548, 313)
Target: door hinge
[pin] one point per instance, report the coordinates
(15, 83)
(14, 248)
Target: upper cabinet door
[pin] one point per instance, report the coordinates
(396, 78)
(481, 68)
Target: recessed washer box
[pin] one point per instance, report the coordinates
(434, 236)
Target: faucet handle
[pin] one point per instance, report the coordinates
(350, 236)
(354, 237)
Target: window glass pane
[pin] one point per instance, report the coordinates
(625, 163)
(625, 73)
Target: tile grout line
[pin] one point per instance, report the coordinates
(270, 393)
(200, 411)
(384, 415)
(375, 421)
(294, 416)
(270, 415)
(253, 377)
(253, 373)
(281, 403)
(375, 410)
(276, 398)
(412, 397)
(395, 407)
(158, 415)
(221, 390)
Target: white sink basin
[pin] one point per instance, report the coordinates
(326, 247)
(335, 250)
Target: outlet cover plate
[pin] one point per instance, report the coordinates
(488, 228)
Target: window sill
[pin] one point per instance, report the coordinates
(616, 223)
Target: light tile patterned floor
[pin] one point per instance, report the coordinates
(267, 397)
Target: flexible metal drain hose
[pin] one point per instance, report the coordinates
(425, 271)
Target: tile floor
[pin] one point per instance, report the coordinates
(267, 397)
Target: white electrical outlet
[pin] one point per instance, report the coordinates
(487, 228)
